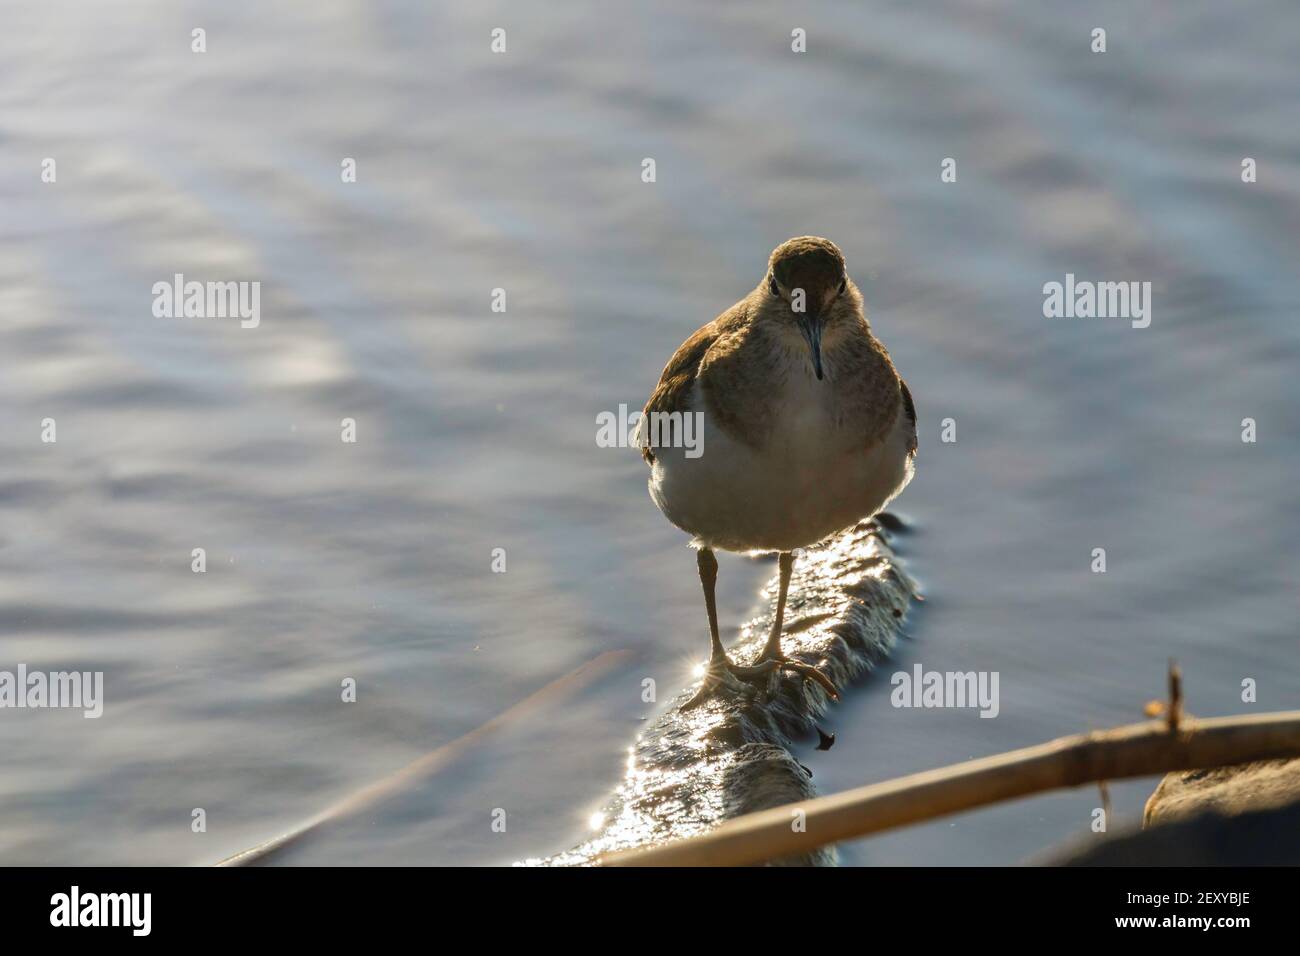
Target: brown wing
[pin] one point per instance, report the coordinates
(910, 409)
(673, 393)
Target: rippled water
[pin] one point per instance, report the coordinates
(476, 429)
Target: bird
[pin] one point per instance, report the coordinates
(803, 428)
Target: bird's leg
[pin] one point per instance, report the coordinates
(772, 653)
(722, 672)
(772, 650)
(708, 568)
(719, 664)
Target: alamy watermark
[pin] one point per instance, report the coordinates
(208, 300)
(83, 690)
(1081, 299)
(129, 910)
(624, 429)
(943, 689)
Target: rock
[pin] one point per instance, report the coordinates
(1268, 784)
(1257, 838)
(1243, 815)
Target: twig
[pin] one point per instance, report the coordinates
(1136, 750)
(1175, 715)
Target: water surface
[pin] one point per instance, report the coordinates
(476, 430)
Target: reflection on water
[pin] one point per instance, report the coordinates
(475, 430)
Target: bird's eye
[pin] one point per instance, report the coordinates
(771, 286)
(844, 284)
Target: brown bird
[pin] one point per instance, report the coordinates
(803, 428)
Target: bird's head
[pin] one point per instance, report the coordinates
(806, 276)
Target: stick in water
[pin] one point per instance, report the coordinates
(1136, 750)
(432, 762)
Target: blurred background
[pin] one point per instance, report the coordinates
(476, 430)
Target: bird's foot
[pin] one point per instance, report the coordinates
(777, 661)
(725, 676)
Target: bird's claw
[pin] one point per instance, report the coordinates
(721, 676)
(722, 673)
(808, 671)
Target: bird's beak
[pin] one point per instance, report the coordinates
(810, 324)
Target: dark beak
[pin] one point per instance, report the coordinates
(810, 324)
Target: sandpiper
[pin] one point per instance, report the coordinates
(807, 429)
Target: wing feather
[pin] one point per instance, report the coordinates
(910, 409)
(673, 393)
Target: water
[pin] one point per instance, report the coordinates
(476, 429)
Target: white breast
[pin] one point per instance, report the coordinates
(814, 476)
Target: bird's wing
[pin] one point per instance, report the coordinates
(909, 409)
(673, 393)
